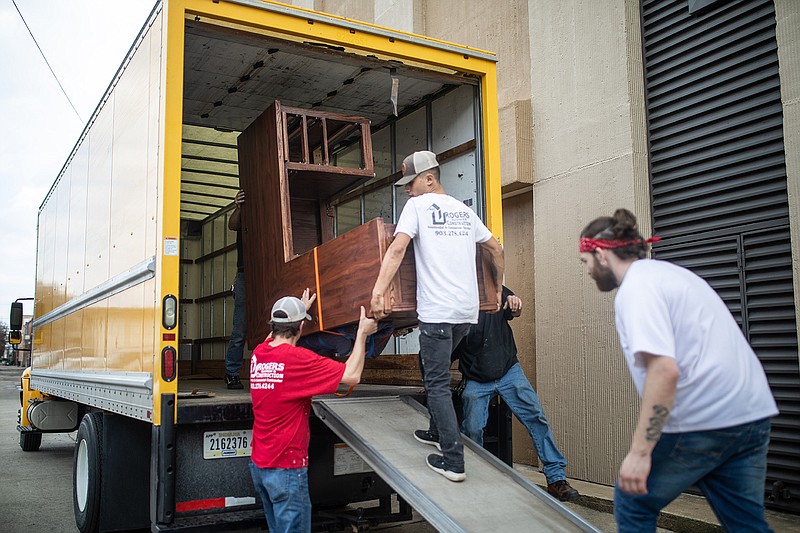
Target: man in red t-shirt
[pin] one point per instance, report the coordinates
(283, 378)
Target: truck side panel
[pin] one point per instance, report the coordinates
(97, 229)
(60, 270)
(76, 257)
(45, 253)
(97, 223)
(129, 196)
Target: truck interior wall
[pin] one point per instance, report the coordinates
(411, 134)
(189, 321)
(208, 268)
(92, 227)
(218, 279)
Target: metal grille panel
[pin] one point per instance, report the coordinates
(714, 115)
(718, 177)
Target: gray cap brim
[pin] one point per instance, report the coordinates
(404, 180)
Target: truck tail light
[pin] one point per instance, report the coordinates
(169, 312)
(168, 363)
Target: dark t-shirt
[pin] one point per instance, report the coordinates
(488, 351)
(239, 252)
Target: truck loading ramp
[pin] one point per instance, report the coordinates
(494, 497)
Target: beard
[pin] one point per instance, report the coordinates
(604, 278)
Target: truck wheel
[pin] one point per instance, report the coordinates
(30, 441)
(86, 472)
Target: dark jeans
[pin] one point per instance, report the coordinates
(235, 354)
(728, 465)
(436, 344)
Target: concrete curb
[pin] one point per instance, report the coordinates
(666, 520)
(687, 514)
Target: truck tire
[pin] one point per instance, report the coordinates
(30, 441)
(86, 473)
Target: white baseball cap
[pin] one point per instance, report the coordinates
(289, 309)
(416, 164)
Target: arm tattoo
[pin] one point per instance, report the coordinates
(657, 422)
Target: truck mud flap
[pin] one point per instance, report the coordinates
(494, 497)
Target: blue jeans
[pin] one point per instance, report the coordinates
(284, 494)
(728, 465)
(235, 353)
(515, 389)
(436, 344)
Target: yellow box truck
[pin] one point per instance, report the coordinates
(134, 259)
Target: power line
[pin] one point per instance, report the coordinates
(46, 61)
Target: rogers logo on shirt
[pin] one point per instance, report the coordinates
(445, 218)
(265, 375)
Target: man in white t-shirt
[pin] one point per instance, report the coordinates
(706, 403)
(445, 233)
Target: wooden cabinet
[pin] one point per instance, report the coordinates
(285, 160)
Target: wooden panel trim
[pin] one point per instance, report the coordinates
(329, 169)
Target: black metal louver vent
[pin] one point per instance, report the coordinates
(714, 116)
(718, 179)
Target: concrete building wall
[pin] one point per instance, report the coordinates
(518, 231)
(502, 27)
(363, 10)
(403, 15)
(589, 145)
(787, 32)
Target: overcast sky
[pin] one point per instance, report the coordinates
(84, 41)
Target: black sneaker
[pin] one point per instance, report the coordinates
(562, 491)
(426, 437)
(437, 464)
(233, 382)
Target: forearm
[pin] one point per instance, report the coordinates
(355, 363)
(235, 222)
(498, 266)
(657, 399)
(389, 266)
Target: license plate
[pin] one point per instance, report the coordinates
(225, 444)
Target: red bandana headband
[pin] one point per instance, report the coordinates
(590, 245)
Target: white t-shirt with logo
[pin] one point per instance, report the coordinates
(444, 232)
(666, 310)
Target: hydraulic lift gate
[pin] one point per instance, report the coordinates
(494, 497)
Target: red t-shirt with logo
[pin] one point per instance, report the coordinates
(282, 381)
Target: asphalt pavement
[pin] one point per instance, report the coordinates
(36, 487)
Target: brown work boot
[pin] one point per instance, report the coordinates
(562, 491)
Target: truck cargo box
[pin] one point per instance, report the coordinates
(135, 261)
